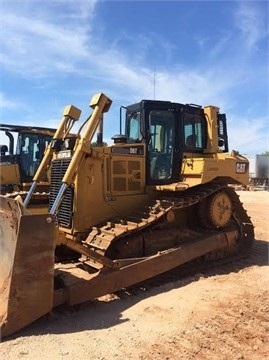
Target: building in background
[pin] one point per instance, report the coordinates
(259, 169)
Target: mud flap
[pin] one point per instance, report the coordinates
(27, 266)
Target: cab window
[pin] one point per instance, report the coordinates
(194, 131)
(134, 131)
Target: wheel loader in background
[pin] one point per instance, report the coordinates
(157, 198)
(20, 159)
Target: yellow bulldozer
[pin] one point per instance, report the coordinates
(20, 155)
(155, 199)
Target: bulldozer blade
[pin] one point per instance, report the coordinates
(27, 266)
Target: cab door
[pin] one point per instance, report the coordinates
(163, 153)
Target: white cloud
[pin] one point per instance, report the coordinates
(39, 40)
(248, 134)
(41, 44)
(6, 103)
(35, 47)
(251, 22)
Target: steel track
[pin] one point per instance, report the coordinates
(104, 236)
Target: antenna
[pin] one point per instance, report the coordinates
(154, 73)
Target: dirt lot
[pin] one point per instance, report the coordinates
(220, 313)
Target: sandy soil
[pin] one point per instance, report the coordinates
(221, 313)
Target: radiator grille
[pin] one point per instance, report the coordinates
(64, 214)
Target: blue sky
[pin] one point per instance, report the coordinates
(59, 52)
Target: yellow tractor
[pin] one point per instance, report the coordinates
(21, 158)
(157, 198)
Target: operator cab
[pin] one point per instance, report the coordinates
(25, 148)
(170, 131)
(30, 150)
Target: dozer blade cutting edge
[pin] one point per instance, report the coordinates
(27, 252)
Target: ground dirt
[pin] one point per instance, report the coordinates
(219, 313)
